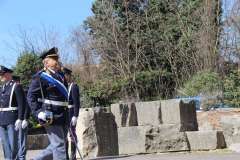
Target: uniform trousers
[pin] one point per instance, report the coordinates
(22, 140)
(8, 137)
(56, 149)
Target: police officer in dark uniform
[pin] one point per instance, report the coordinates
(22, 134)
(12, 101)
(47, 98)
(73, 110)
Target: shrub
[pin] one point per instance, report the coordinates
(232, 89)
(202, 83)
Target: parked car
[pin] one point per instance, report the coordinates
(205, 103)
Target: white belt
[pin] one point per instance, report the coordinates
(8, 109)
(56, 103)
(70, 106)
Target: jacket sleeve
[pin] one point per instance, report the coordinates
(27, 111)
(76, 99)
(27, 108)
(34, 92)
(20, 98)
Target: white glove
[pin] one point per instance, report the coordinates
(74, 121)
(42, 116)
(18, 124)
(24, 124)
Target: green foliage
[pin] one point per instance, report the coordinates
(203, 82)
(27, 64)
(151, 85)
(232, 89)
(155, 84)
(207, 83)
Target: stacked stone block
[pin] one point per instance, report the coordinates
(161, 126)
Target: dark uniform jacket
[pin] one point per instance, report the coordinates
(18, 100)
(50, 92)
(27, 108)
(74, 101)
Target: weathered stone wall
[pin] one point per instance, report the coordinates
(155, 113)
(148, 127)
(159, 126)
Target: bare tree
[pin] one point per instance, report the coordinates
(84, 61)
(36, 40)
(230, 37)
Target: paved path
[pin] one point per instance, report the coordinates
(183, 157)
(180, 157)
(169, 156)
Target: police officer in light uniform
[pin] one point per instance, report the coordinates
(22, 134)
(12, 100)
(47, 98)
(73, 110)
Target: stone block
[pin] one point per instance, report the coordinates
(107, 135)
(37, 142)
(235, 147)
(149, 113)
(97, 133)
(132, 140)
(176, 111)
(86, 134)
(125, 114)
(231, 128)
(166, 138)
(151, 139)
(206, 140)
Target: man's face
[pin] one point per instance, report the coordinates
(4, 77)
(68, 77)
(51, 63)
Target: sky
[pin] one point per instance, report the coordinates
(61, 15)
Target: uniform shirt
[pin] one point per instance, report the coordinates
(18, 100)
(74, 100)
(50, 92)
